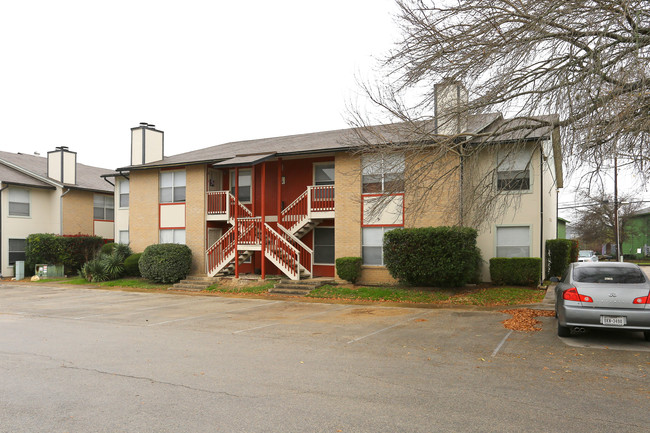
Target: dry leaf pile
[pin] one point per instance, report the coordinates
(523, 319)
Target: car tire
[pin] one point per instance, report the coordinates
(563, 331)
(646, 335)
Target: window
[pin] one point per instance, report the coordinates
(172, 186)
(124, 193)
(513, 241)
(383, 173)
(513, 172)
(324, 174)
(324, 245)
(103, 207)
(124, 237)
(16, 250)
(172, 236)
(245, 182)
(372, 244)
(19, 202)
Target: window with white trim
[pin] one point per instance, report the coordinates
(16, 250)
(124, 237)
(19, 202)
(245, 182)
(513, 241)
(382, 173)
(172, 236)
(324, 245)
(103, 207)
(513, 171)
(172, 186)
(372, 244)
(124, 193)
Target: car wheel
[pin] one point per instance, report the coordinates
(563, 331)
(646, 335)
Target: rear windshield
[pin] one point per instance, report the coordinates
(608, 275)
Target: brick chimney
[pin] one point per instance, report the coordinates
(147, 144)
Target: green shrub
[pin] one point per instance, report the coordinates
(558, 256)
(165, 263)
(521, 271)
(70, 251)
(122, 251)
(113, 265)
(575, 249)
(107, 248)
(131, 265)
(433, 256)
(94, 271)
(349, 268)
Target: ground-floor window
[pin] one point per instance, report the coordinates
(513, 241)
(372, 244)
(124, 237)
(16, 250)
(172, 236)
(324, 245)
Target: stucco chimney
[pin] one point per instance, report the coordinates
(62, 165)
(451, 99)
(147, 144)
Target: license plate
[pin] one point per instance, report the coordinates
(613, 320)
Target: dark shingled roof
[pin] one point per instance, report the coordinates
(87, 176)
(330, 141)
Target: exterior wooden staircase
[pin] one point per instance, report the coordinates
(283, 246)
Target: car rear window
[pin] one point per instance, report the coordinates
(608, 275)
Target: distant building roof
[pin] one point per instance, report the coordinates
(34, 173)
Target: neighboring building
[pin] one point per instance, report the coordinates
(50, 195)
(291, 205)
(562, 228)
(637, 228)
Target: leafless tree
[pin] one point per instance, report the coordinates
(585, 60)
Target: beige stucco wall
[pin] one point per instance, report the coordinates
(44, 218)
(195, 216)
(78, 213)
(521, 209)
(143, 212)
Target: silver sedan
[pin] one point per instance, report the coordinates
(603, 295)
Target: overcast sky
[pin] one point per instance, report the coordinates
(82, 73)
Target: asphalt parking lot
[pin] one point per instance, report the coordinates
(76, 359)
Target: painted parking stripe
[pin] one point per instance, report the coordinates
(500, 345)
(212, 314)
(390, 327)
(299, 318)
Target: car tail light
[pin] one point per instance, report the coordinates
(573, 295)
(642, 300)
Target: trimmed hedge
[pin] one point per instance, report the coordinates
(349, 268)
(520, 271)
(131, 265)
(433, 256)
(70, 251)
(558, 256)
(165, 263)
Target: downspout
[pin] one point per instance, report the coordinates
(61, 211)
(1, 232)
(541, 210)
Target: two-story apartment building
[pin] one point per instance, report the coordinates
(291, 205)
(50, 195)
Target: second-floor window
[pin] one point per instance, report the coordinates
(124, 193)
(172, 186)
(324, 173)
(103, 207)
(19, 202)
(382, 173)
(245, 182)
(513, 171)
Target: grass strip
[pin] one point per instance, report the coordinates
(496, 296)
(387, 294)
(244, 289)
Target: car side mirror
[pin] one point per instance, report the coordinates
(554, 280)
